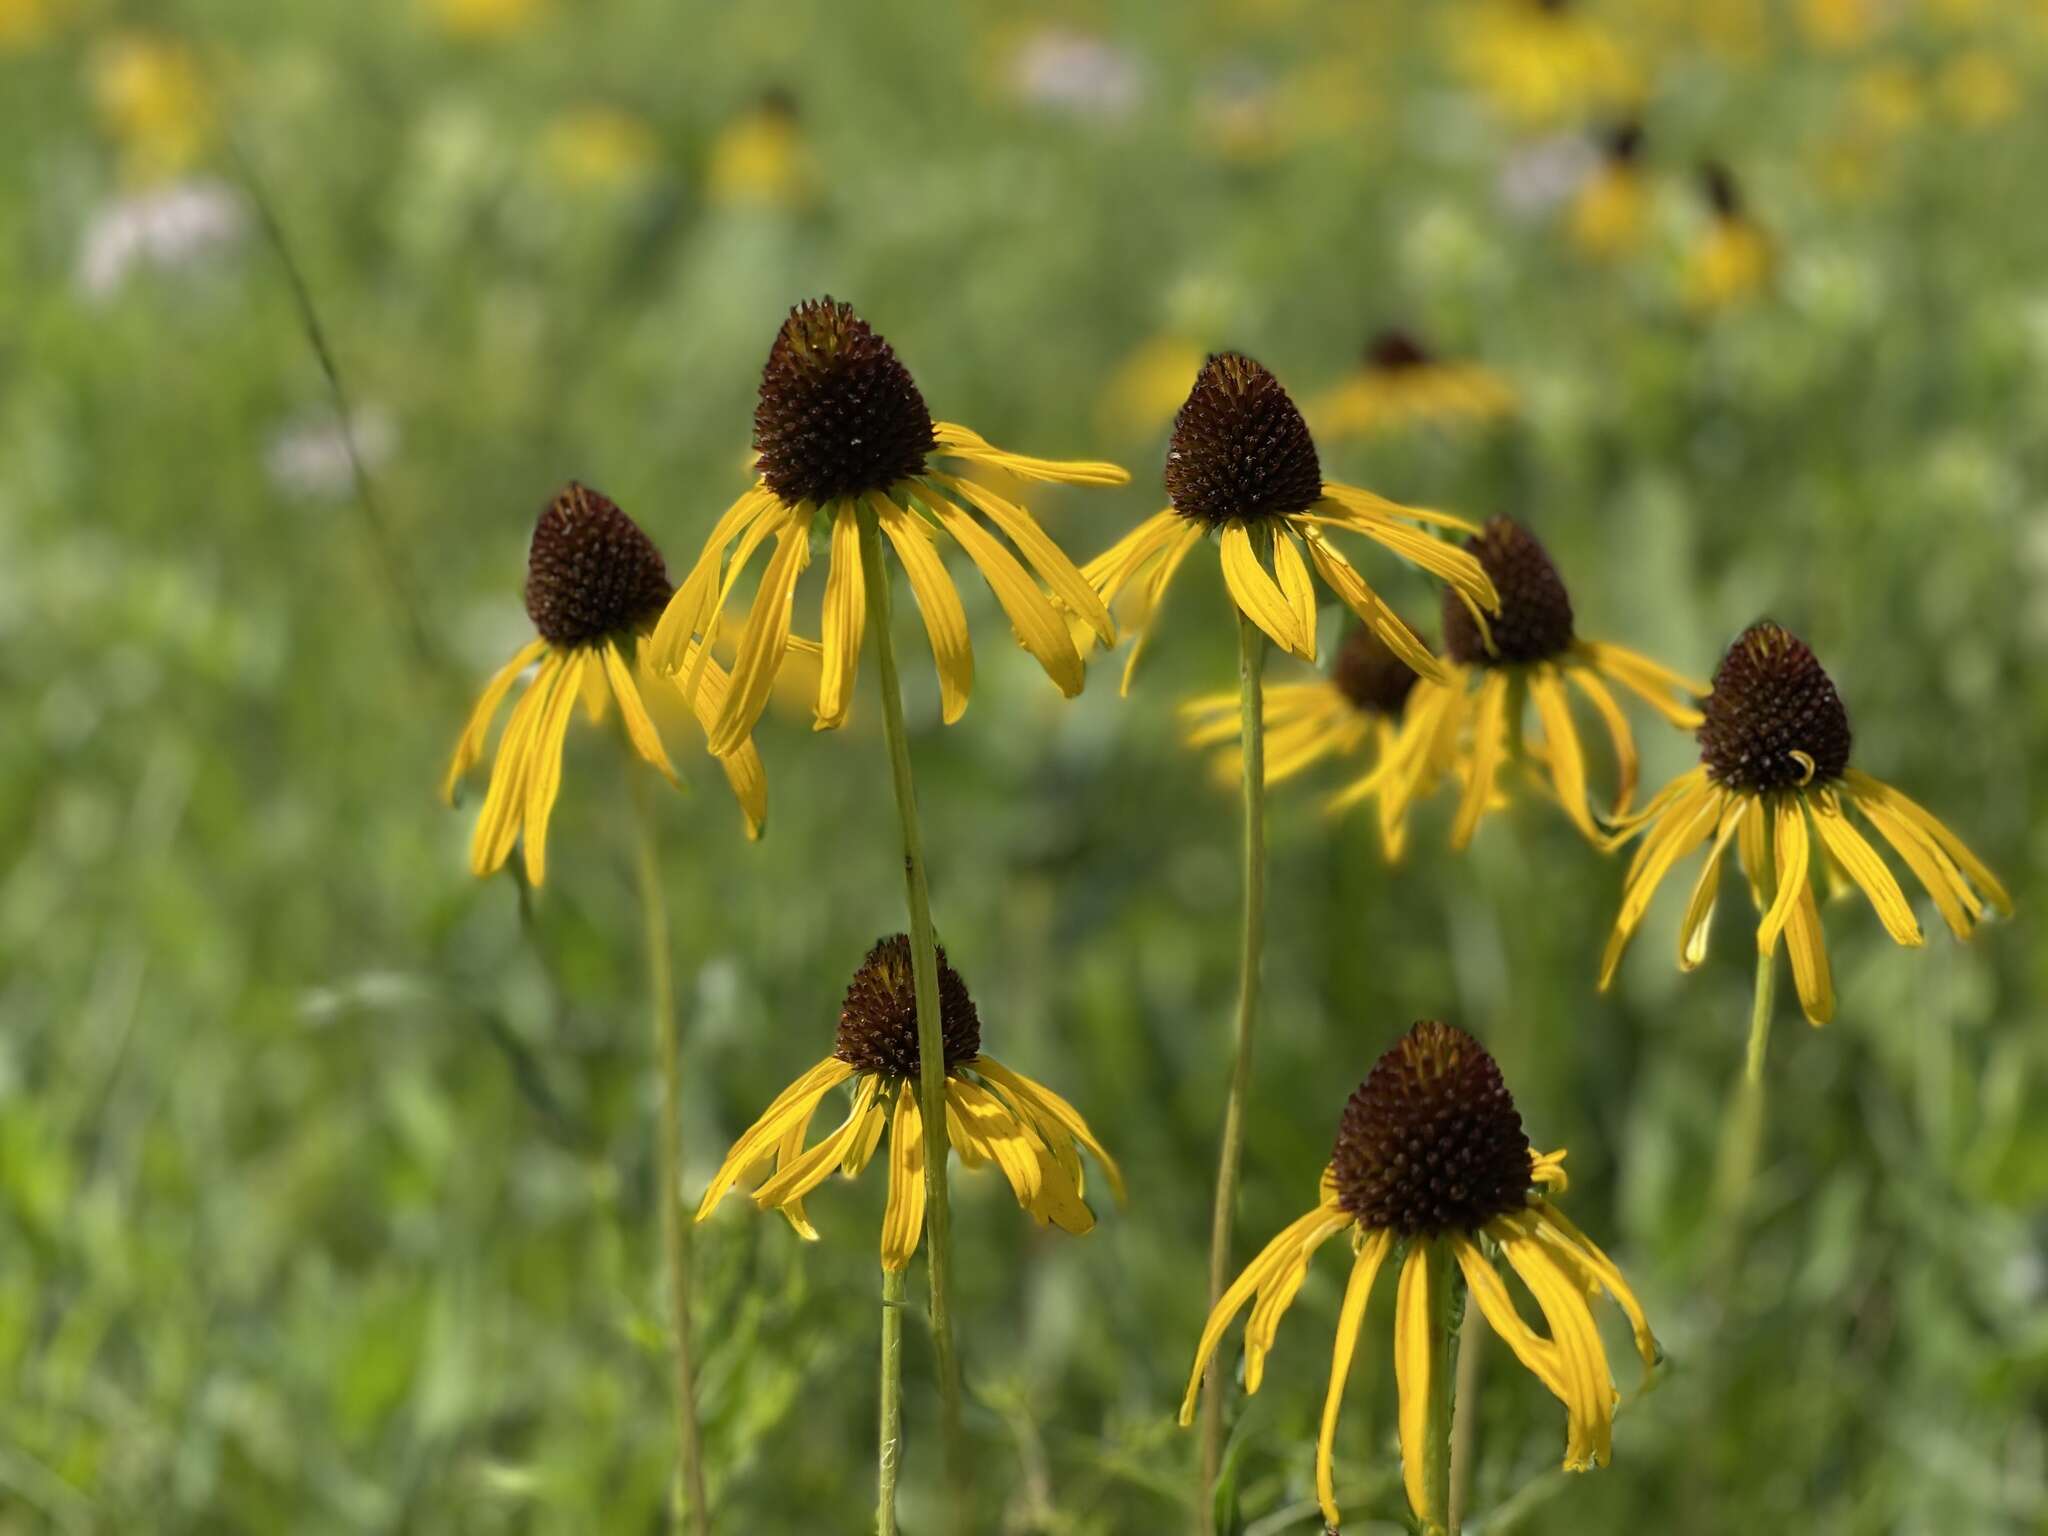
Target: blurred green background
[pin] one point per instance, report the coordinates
(325, 1183)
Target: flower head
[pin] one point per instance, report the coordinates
(1430, 1160)
(1243, 465)
(760, 159)
(1400, 382)
(1531, 649)
(842, 435)
(1774, 777)
(1610, 212)
(993, 1115)
(595, 583)
(1730, 263)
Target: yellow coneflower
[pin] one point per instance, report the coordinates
(993, 1115)
(1837, 26)
(1979, 89)
(24, 24)
(1430, 1158)
(484, 20)
(599, 149)
(594, 586)
(1148, 385)
(761, 160)
(1543, 61)
(1400, 383)
(1533, 651)
(843, 434)
(152, 99)
(1730, 263)
(1773, 777)
(1611, 210)
(1241, 463)
(1359, 707)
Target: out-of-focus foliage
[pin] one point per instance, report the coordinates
(325, 1183)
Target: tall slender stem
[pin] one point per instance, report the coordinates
(889, 1454)
(689, 1507)
(1742, 1132)
(1251, 663)
(1443, 1348)
(1472, 1332)
(931, 1049)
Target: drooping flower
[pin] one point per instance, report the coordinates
(594, 586)
(1430, 1160)
(841, 434)
(1611, 210)
(993, 1115)
(1774, 779)
(1401, 383)
(1730, 262)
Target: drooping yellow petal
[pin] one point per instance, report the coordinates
(1539, 1356)
(544, 775)
(962, 442)
(796, 1102)
(1698, 921)
(1181, 545)
(1365, 1268)
(743, 770)
(1415, 1362)
(471, 745)
(1049, 1106)
(692, 611)
(1365, 505)
(1650, 681)
(979, 1119)
(1258, 596)
(1059, 573)
(1866, 788)
(633, 710)
(1866, 868)
(1789, 845)
(1458, 569)
(903, 1217)
(817, 1165)
(1561, 742)
(787, 1150)
(1618, 733)
(1292, 571)
(1489, 746)
(1360, 598)
(1573, 1248)
(1811, 975)
(1960, 907)
(1271, 1260)
(1278, 1294)
(1110, 571)
(938, 601)
(844, 621)
(1680, 829)
(762, 641)
(1589, 1395)
(861, 1150)
(1039, 628)
(497, 824)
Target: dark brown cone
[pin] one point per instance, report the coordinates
(591, 572)
(1240, 448)
(1771, 699)
(1625, 143)
(1431, 1141)
(878, 1020)
(1535, 618)
(1717, 182)
(839, 413)
(1393, 350)
(1372, 677)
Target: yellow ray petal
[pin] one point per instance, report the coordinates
(1258, 596)
(1048, 1105)
(633, 710)
(1372, 1252)
(1044, 556)
(1589, 1395)
(1618, 734)
(692, 610)
(962, 442)
(1110, 571)
(1682, 828)
(742, 765)
(1574, 1248)
(817, 1165)
(1364, 505)
(1789, 843)
(1958, 904)
(497, 824)
(1039, 629)
(1864, 787)
(1154, 595)
(938, 601)
(1868, 870)
(1811, 975)
(762, 642)
(1278, 1294)
(471, 745)
(844, 620)
(796, 1102)
(1352, 589)
(1414, 1363)
(1489, 746)
(1650, 681)
(903, 1217)
(1561, 741)
(1294, 581)
(1698, 922)
(1539, 1356)
(544, 753)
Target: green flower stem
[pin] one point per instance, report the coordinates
(690, 1508)
(1742, 1131)
(931, 1049)
(889, 1456)
(1251, 662)
(1443, 1348)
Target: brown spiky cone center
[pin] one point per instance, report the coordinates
(1535, 618)
(838, 413)
(590, 571)
(1240, 448)
(1774, 719)
(878, 1020)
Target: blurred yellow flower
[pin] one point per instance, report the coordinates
(1611, 210)
(1731, 261)
(1979, 89)
(1542, 61)
(599, 149)
(1836, 26)
(481, 20)
(1148, 385)
(1889, 99)
(761, 159)
(24, 23)
(153, 103)
(1401, 384)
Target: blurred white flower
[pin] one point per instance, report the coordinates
(308, 457)
(1067, 71)
(1541, 174)
(178, 227)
